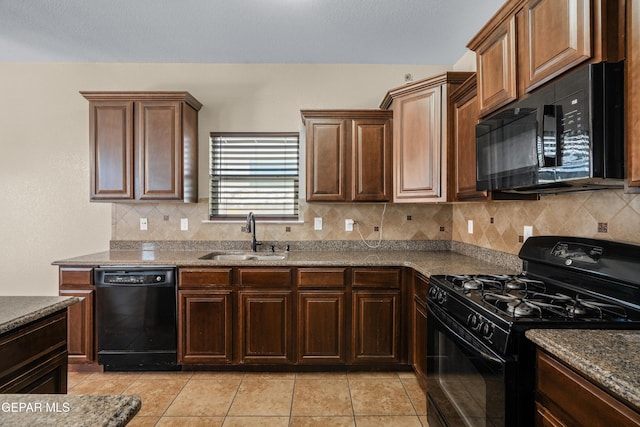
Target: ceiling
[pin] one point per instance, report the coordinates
(241, 31)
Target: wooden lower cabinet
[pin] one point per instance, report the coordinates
(33, 358)
(376, 326)
(419, 361)
(321, 327)
(418, 356)
(205, 330)
(265, 327)
(81, 332)
(331, 316)
(566, 398)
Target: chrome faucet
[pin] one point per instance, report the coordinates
(251, 228)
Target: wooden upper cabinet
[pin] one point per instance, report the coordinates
(463, 164)
(144, 146)
(372, 155)
(349, 155)
(527, 43)
(111, 134)
(557, 37)
(159, 150)
(421, 133)
(632, 94)
(496, 64)
(327, 159)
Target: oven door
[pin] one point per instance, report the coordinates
(467, 383)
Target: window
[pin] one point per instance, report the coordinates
(256, 173)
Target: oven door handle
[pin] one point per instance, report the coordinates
(484, 354)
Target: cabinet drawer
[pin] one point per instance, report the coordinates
(26, 345)
(376, 278)
(421, 286)
(76, 276)
(204, 277)
(264, 277)
(321, 277)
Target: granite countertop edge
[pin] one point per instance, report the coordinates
(17, 311)
(26, 410)
(425, 262)
(610, 361)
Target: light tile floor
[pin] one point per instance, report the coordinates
(265, 399)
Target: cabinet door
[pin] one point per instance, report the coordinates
(265, 327)
(632, 94)
(376, 327)
(557, 36)
(496, 64)
(111, 147)
(465, 118)
(321, 327)
(205, 327)
(372, 154)
(418, 147)
(419, 342)
(80, 327)
(327, 160)
(159, 150)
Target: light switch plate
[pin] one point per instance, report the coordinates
(317, 223)
(470, 226)
(184, 224)
(528, 232)
(143, 224)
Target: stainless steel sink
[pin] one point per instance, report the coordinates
(224, 256)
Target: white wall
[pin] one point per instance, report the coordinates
(44, 162)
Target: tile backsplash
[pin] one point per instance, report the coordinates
(400, 222)
(498, 225)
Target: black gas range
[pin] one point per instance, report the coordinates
(480, 366)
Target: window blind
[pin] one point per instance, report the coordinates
(256, 173)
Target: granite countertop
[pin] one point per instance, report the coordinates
(610, 359)
(66, 410)
(16, 311)
(426, 262)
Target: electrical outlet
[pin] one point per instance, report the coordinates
(143, 224)
(184, 224)
(470, 226)
(348, 224)
(317, 223)
(527, 232)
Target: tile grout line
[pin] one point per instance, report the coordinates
(406, 392)
(353, 409)
(226, 415)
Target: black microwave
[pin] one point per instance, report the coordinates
(567, 136)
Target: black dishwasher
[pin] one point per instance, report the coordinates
(136, 318)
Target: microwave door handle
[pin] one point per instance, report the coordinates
(550, 132)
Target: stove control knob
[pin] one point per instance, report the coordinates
(473, 321)
(442, 297)
(486, 329)
(433, 292)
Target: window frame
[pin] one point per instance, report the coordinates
(260, 217)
